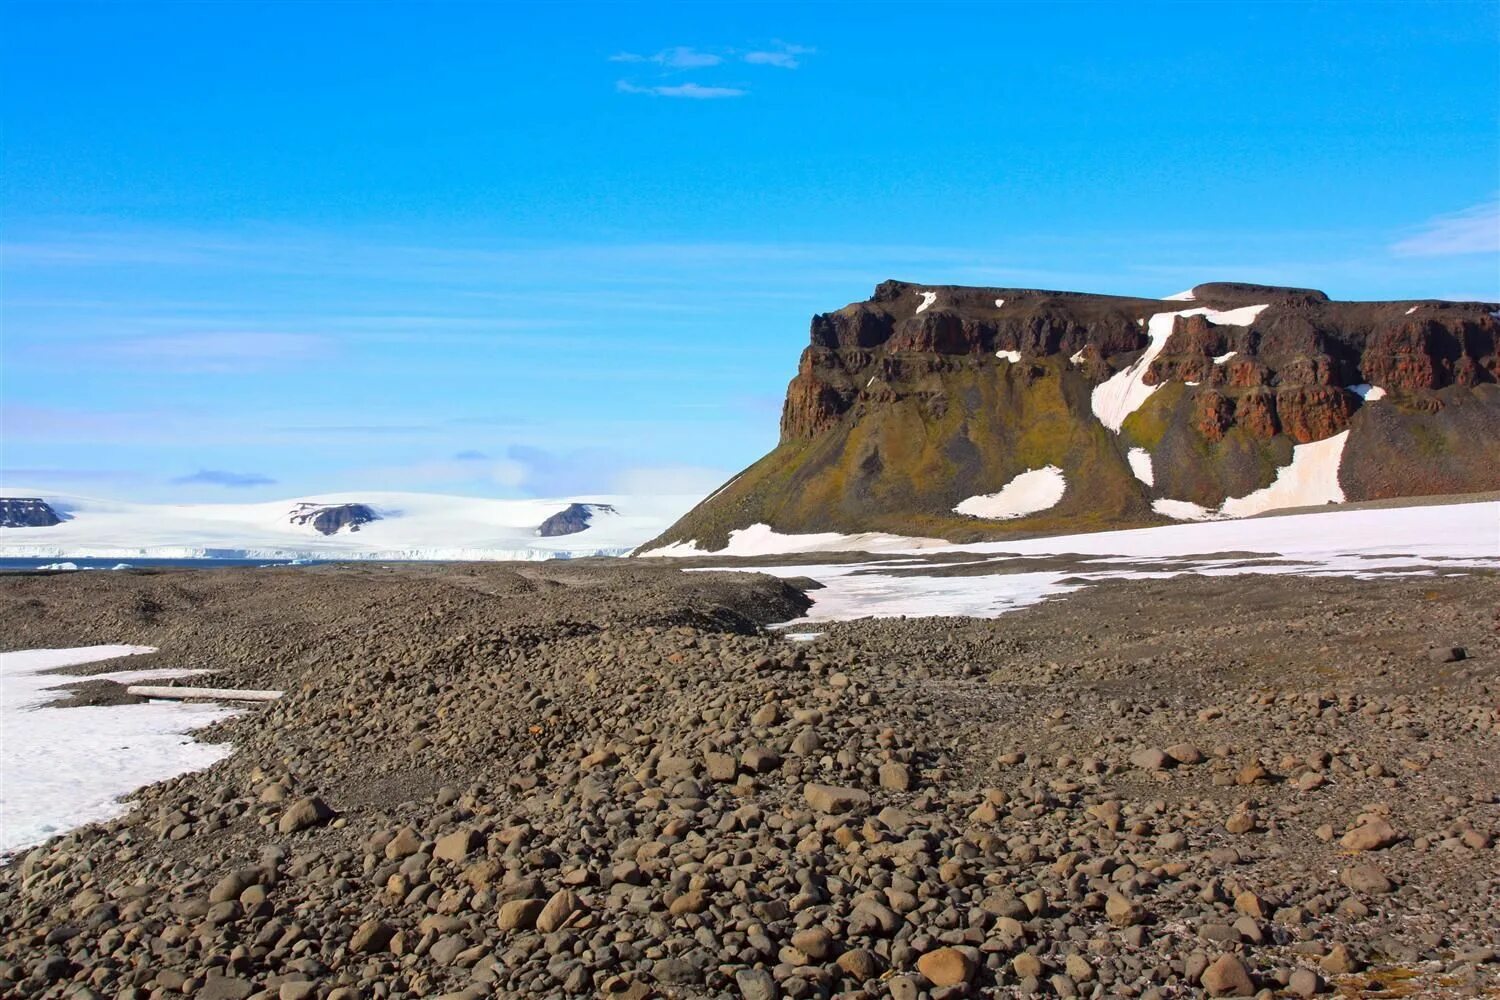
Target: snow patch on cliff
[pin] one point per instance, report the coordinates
(1124, 392)
(1011, 356)
(1224, 357)
(1368, 393)
(928, 298)
(1140, 464)
(1311, 478)
(1031, 491)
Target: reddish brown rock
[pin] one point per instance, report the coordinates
(1372, 835)
(1312, 413)
(1256, 412)
(947, 967)
(1213, 414)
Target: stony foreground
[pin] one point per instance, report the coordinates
(586, 780)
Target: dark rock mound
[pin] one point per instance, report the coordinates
(27, 512)
(1443, 442)
(329, 519)
(572, 519)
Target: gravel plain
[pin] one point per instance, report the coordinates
(608, 779)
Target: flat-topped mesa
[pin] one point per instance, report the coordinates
(1302, 348)
(912, 406)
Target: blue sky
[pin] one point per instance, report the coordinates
(259, 250)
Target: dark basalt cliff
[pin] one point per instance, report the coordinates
(27, 512)
(572, 519)
(901, 407)
(330, 519)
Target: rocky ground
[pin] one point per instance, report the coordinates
(604, 779)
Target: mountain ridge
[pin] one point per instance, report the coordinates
(368, 525)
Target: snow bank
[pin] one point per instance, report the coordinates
(1011, 356)
(860, 591)
(1368, 393)
(1123, 393)
(1340, 543)
(1220, 359)
(928, 298)
(763, 540)
(1448, 531)
(65, 767)
(999, 303)
(1186, 296)
(1077, 358)
(1031, 491)
(1140, 465)
(411, 526)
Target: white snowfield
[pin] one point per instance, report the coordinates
(411, 526)
(1123, 393)
(928, 298)
(1447, 530)
(1031, 491)
(64, 767)
(1360, 543)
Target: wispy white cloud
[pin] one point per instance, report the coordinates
(221, 352)
(676, 57)
(671, 61)
(783, 55)
(691, 91)
(1473, 230)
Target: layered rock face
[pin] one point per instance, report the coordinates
(27, 512)
(572, 519)
(330, 519)
(908, 403)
